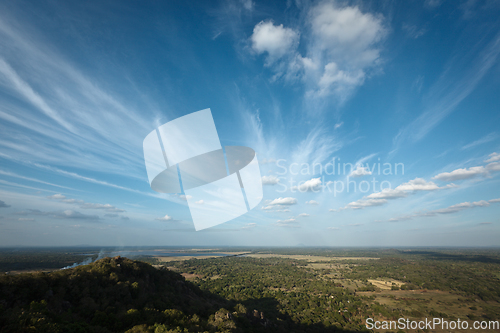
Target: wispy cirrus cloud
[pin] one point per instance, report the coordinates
(485, 139)
(449, 91)
(55, 101)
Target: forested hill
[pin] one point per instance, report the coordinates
(122, 295)
(111, 294)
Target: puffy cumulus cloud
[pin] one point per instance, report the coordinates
(106, 207)
(73, 214)
(342, 45)
(289, 223)
(467, 173)
(335, 80)
(185, 197)
(448, 210)
(420, 184)
(388, 193)
(304, 215)
(270, 180)
(493, 167)
(283, 201)
(86, 205)
(346, 32)
(494, 157)
(460, 174)
(3, 204)
(363, 203)
(345, 39)
(57, 196)
(165, 218)
(312, 202)
(312, 185)
(65, 214)
(401, 191)
(360, 171)
(275, 40)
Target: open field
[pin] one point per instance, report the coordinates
(310, 258)
(320, 291)
(385, 283)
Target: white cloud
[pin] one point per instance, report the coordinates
(388, 193)
(346, 39)
(249, 226)
(275, 40)
(333, 228)
(73, 214)
(106, 207)
(26, 219)
(304, 215)
(312, 202)
(289, 223)
(283, 201)
(448, 210)
(185, 197)
(460, 174)
(494, 157)
(342, 46)
(401, 191)
(495, 166)
(413, 31)
(338, 125)
(199, 202)
(312, 185)
(270, 180)
(338, 81)
(360, 171)
(488, 138)
(247, 4)
(57, 196)
(86, 205)
(363, 203)
(418, 184)
(164, 218)
(267, 161)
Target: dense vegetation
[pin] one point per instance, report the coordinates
(117, 295)
(285, 290)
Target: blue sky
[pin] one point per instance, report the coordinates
(410, 87)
